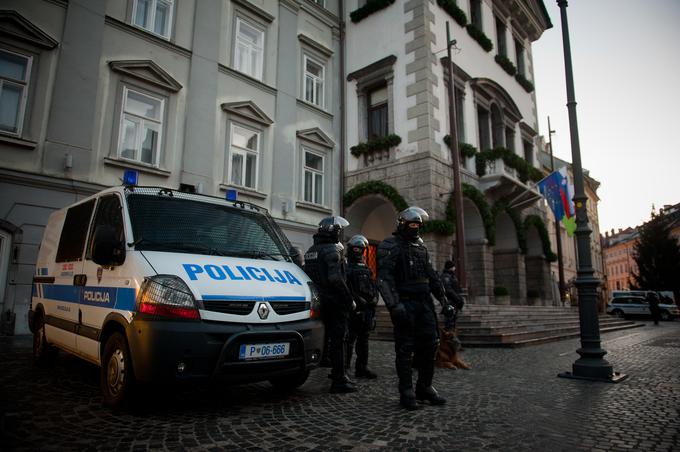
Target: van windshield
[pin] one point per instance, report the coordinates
(178, 224)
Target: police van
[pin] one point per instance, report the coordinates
(154, 284)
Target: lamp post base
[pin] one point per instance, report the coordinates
(616, 377)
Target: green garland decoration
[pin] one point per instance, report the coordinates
(375, 187)
(526, 84)
(466, 149)
(506, 64)
(537, 222)
(520, 228)
(454, 11)
(479, 36)
(525, 171)
(376, 144)
(369, 8)
(479, 200)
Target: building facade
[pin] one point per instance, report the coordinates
(398, 127)
(618, 253)
(202, 95)
(305, 107)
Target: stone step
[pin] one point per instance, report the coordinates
(510, 326)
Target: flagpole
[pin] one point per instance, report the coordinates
(558, 230)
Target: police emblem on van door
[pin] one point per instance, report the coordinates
(263, 311)
(100, 271)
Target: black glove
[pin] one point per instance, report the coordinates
(448, 311)
(399, 314)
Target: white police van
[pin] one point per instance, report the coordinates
(154, 284)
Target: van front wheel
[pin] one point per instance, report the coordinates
(43, 352)
(116, 377)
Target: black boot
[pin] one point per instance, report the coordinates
(431, 395)
(341, 386)
(407, 399)
(365, 373)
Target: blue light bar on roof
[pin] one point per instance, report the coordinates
(232, 194)
(130, 177)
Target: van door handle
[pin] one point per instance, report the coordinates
(79, 280)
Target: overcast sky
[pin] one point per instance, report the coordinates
(626, 58)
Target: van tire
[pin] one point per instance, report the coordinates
(665, 315)
(290, 382)
(116, 377)
(618, 313)
(43, 352)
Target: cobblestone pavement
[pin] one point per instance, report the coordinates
(510, 400)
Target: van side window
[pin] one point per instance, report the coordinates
(108, 212)
(74, 232)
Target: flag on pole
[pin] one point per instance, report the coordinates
(559, 193)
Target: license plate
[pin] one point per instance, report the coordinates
(264, 351)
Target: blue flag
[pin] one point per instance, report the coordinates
(556, 189)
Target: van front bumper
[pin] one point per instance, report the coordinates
(171, 350)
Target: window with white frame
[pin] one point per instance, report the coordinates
(314, 81)
(141, 126)
(313, 177)
(14, 75)
(244, 152)
(154, 16)
(249, 49)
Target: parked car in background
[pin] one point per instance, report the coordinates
(629, 306)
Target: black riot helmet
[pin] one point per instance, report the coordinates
(410, 221)
(333, 226)
(357, 247)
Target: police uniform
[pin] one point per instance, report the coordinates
(406, 280)
(365, 295)
(325, 265)
(452, 290)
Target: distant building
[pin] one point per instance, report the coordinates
(618, 252)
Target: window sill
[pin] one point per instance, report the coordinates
(246, 78)
(127, 164)
(28, 144)
(314, 108)
(314, 207)
(243, 191)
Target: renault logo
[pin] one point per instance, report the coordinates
(263, 311)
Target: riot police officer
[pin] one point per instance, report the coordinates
(365, 294)
(452, 290)
(406, 278)
(325, 265)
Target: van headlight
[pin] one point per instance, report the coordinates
(167, 296)
(315, 304)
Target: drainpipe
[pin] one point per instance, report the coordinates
(343, 118)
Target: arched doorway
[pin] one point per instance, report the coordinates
(372, 216)
(508, 261)
(478, 256)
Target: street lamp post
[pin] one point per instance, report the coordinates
(591, 365)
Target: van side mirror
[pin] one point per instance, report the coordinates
(107, 249)
(296, 254)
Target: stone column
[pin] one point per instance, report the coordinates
(538, 278)
(510, 272)
(480, 271)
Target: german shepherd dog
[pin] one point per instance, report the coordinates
(448, 354)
